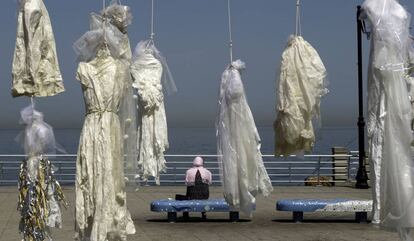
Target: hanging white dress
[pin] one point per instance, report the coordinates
(101, 209)
(238, 143)
(300, 88)
(389, 117)
(149, 72)
(101, 212)
(35, 65)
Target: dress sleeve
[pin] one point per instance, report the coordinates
(82, 75)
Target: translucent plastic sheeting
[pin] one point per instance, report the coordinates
(167, 80)
(38, 137)
(35, 69)
(238, 144)
(147, 71)
(389, 117)
(301, 85)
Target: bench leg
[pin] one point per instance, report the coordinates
(186, 215)
(297, 217)
(172, 217)
(203, 216)
(361, 217)
(234, 216)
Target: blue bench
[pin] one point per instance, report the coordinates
(172, 207)
(299, 206)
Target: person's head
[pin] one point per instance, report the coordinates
(198, 162)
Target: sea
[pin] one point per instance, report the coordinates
(192, 141)
(188, 141)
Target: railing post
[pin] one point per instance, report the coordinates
(175, 175)
(319, 171)
(290, 173)
(1, 173)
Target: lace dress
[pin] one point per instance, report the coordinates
(101, 212)
(152, 122)
(35, 65)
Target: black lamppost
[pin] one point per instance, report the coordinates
(362, 177)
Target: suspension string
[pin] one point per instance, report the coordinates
(152, 20)
(298, 30)
(230, 31)
(32, 104)
(104, 20)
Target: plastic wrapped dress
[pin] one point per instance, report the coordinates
(389, 116)
(40, 194)
(238, 144)
(35, 64)
(147, 72)
(300, 88)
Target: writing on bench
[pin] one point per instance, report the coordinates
(299, 206)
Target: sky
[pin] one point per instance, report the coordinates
(193, 35)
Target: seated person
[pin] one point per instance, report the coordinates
(197, 180)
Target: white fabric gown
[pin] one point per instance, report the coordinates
(152, 133)
(35, 65)
(300, 88)
(389, 116)
(101, 211)
(238, 143)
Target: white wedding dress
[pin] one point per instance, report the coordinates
(389, 117)
(243, 173)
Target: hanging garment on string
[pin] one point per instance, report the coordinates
(300, 88)
(35, 65)
(389, 117)
(151, 78)
(238, 143)
(100, 183)
(40, 194)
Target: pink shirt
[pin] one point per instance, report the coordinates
(191, 174)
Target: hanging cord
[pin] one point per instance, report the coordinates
(104, 20)
(32, 104)
(152, 34)
(230, 31)
(152, 21)
(298, 30)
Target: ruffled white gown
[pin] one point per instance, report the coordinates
(101, 211)
(389, 117)
(35, 65)
(244, 175)
(300, 88)
(152, 133)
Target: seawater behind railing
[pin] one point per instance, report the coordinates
(289, 170)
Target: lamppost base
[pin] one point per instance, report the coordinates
(362, 179)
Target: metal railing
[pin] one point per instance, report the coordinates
(290, 170)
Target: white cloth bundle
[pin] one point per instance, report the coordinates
(300, 88)
(389, 117)
(238, 143)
